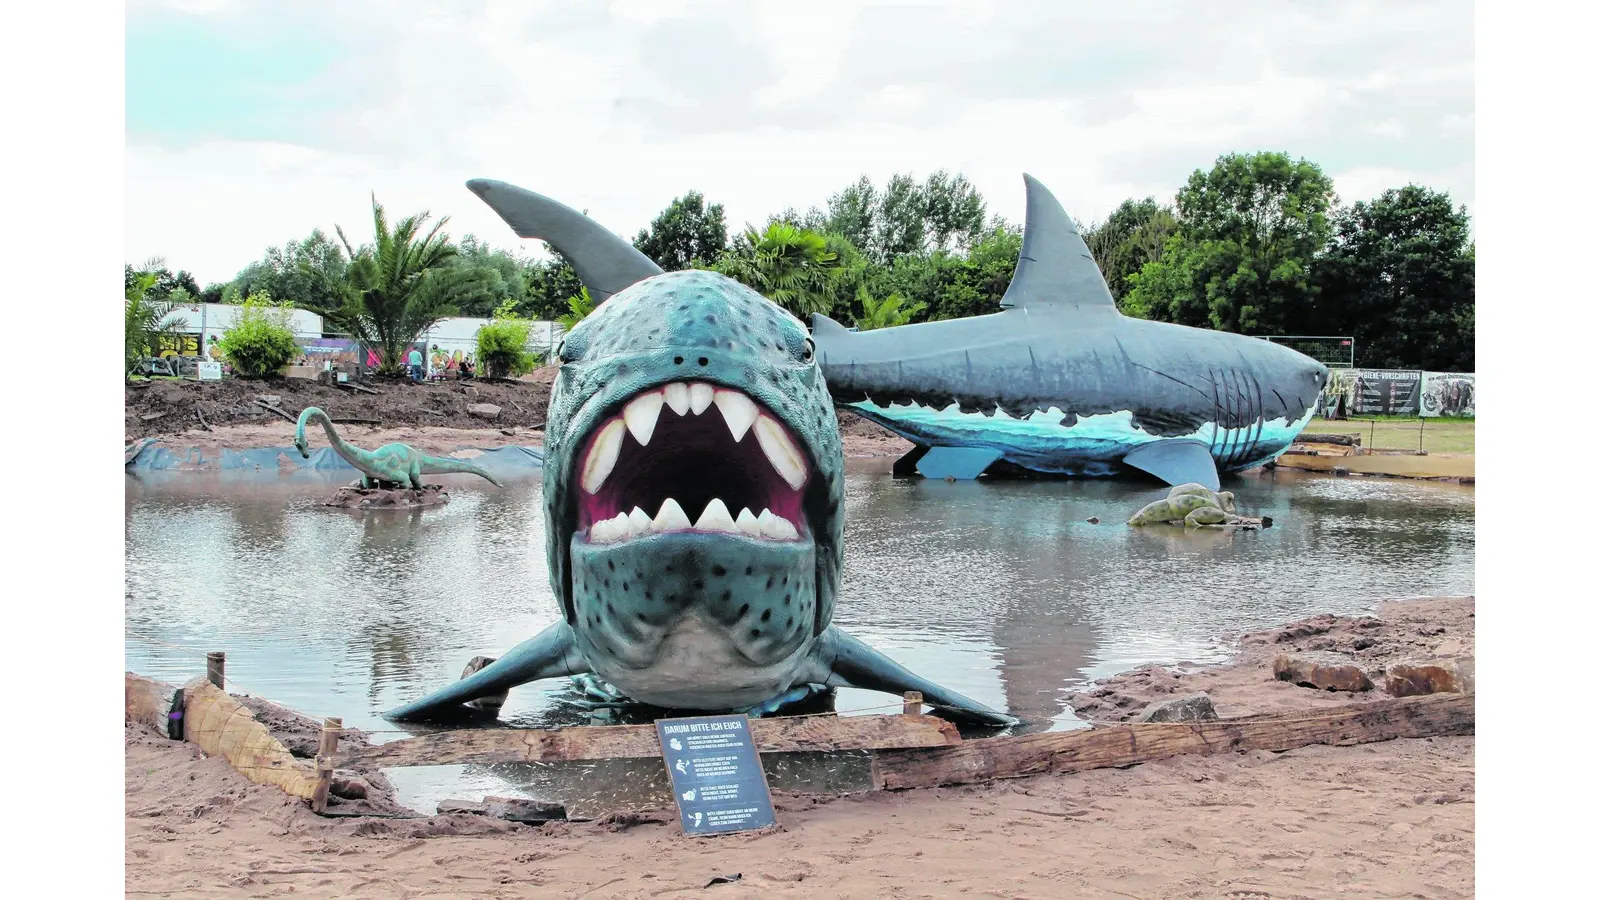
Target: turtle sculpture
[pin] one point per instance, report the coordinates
(1193, 505)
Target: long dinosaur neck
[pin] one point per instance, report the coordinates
(340, 446)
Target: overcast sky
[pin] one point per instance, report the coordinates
(250, 123)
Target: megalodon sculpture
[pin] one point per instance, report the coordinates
(392, 465)
(693, 491)
(1060, 382)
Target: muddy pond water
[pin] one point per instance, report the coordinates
(1001, 590)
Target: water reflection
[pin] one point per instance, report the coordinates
(1001, 590)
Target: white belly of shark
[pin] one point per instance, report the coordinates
(1091, 446)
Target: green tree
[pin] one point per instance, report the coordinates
(901, 220)
(307, 272)
(687, 234)
(1248, 231)
(551, 284)
(852, 214)
(1134, 234)
(790, 266)
(1399, 275)
(396, 288)
(165, 280)
(503, 344)
(485, 278)
(953, 210)
(261, 341)
(146, 321)
(886, 312)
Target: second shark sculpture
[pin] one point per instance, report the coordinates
(1061, 383)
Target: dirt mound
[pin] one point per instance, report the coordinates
(1405, 629)
(232, 402)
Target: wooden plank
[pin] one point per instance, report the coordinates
(1430, 466)
(221, 726)
(147, 701)
(1124, 745)
(779, 735)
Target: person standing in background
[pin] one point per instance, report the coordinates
(414, 360)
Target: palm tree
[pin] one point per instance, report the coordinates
(146, 321)
(885, 313)
(396, 288)
(581, 306)
(791, 266)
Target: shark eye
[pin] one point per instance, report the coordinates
(808, 351)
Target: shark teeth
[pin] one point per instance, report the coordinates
(602, 456)
(740, 414)
(780, 451)
(738, 411)
(714, 519)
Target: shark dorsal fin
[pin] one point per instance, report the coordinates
(605, 263)
(1055, 269)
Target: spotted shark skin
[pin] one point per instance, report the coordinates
(1060, 382)
(693, 490)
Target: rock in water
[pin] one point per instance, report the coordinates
(493, 702)
(1322, 670)
(1188, 708)
(1435, 676)
(483, 410)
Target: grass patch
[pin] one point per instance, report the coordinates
(1440, 435)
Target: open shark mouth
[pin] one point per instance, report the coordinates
(691, 456)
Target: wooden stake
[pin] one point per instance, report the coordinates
(216, 664)
(913, 705)
(331, 727)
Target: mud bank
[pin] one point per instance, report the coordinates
(1393, 819)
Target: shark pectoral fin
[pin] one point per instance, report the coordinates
(845, 661)
(1177, 461)
(549, 654)
(960, 463)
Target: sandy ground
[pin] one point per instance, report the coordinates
(1379, 820)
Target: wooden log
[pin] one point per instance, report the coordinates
(1351, 439)
(201, 417)
(350, 421)
(1124, 745)
(216, 668)
(779, 735)
(913, 703)
(265, 405)
(356, 387)
(148, 702)
(221, 726)
(331, 728)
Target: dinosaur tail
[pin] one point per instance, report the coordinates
(436, 465)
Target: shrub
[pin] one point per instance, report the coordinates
(261, 342)
(503, 344)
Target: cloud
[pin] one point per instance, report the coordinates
(282, 117)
